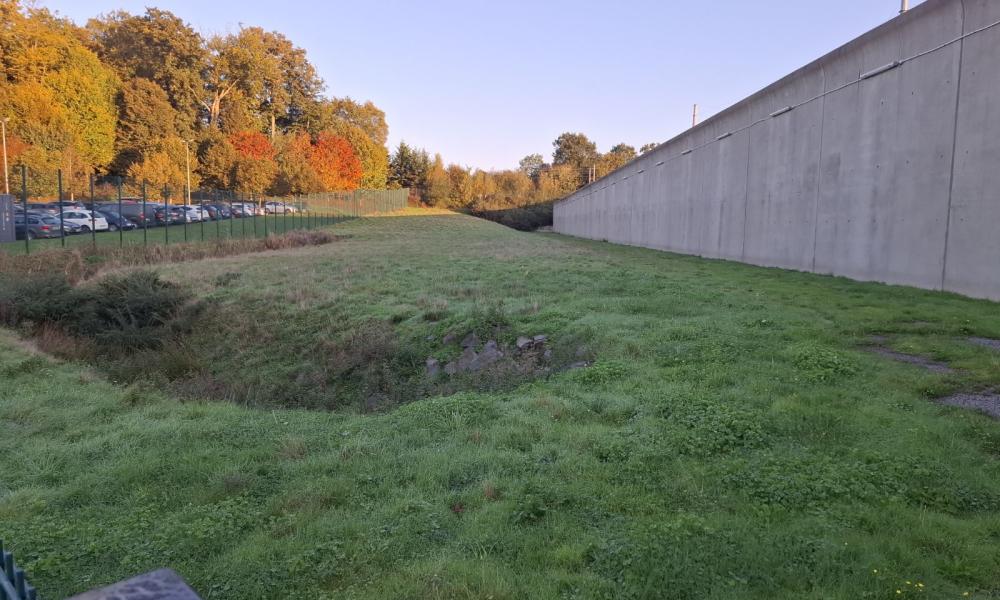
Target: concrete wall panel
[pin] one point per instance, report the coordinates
(894, 177)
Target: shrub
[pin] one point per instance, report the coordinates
(35, 298)
(820, 364)
(129, 311)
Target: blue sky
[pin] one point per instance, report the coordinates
(486, 83)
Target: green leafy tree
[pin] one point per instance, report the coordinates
(145, 119)
(647, 147)
(575, 150)
(160, 47)
(531, 165)
(617, 157)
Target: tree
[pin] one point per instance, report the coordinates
(373, 156)
(408, 167)
(647, 147)
(159, 47)
(576, 150)
(530, 165)
(254, 168)
(266, 73)
(145, 119)
(335, 163)
(296, 174)
(439, 191)
(58, 95)
(165, 167)
(368, 117)
(217, 158)
(617, 157)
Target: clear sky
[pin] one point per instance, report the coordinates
(485, 83)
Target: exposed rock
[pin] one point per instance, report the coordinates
(449, 338)
(490, 354)
(541, 339)
(451, 368)
(471, 340)
(468, 360)
(547, 355)
(524, 342)
(433, 367)
(578, 365)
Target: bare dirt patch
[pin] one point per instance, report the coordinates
(986, 342)
(986, 402)
(912, 359)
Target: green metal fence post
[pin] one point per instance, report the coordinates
(121, 232)
(145, 217)
(93, 214)
(62, 221)
(166, 216)
(24, 205)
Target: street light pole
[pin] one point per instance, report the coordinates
(3, 128)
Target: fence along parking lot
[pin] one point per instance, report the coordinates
(137, 214)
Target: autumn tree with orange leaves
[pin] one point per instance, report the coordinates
(335, 162)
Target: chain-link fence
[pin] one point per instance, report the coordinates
(126, 212)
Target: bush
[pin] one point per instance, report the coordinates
(129, 311)
(35, 298)
(523, 218)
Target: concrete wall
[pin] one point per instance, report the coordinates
(893, 178)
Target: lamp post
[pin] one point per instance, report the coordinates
(3, 128)
(904, 6)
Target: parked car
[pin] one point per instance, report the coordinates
(274, 207)
(34, 225)
(115, 220)
(133, 211)
(194, 214)
(169, 215)
(223, 210)
(86, 220)
(69, 227)
(208, 212)
(244, 209)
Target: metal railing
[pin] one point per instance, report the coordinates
(13, 583)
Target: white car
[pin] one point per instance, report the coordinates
(193, 214)
(279, 207)
(85, 219)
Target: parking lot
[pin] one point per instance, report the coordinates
(134, 222)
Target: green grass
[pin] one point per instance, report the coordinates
(209, 230)
(733, 439)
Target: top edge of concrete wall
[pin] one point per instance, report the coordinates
(898, 21)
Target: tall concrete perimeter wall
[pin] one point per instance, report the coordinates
(889, 176)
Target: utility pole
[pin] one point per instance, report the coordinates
(904, 6)
(6, 184)
(694, 115)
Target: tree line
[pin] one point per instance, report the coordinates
(575, 161)
(146, 96)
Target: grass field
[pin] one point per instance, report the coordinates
(734, 438)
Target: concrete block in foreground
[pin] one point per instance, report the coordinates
(163, 584)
